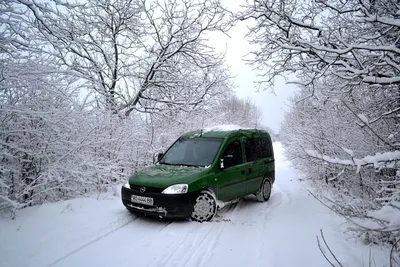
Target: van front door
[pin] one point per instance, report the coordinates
(231, 178)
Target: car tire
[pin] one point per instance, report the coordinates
(264, 192)
(205, 207)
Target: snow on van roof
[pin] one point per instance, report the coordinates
(224, 128)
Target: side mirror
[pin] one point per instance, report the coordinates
(157, 157)
(226, 162)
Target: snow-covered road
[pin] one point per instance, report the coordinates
(89, 232)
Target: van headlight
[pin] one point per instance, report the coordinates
(176, 189)
(127, 185)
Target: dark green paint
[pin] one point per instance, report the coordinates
(228, 184)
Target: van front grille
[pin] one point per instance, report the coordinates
(137, 188)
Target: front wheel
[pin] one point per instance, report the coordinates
(264, 192)
(204, 208)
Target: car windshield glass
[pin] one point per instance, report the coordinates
(192, 152)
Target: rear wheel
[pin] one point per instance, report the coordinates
(264, 192)
(205, 207)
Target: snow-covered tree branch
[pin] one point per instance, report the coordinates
(343, 127)
(356, 41)
(137, 54)
(90, 91)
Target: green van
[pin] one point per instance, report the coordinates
(202, 171)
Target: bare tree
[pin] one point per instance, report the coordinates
(137, 55)
(64, 67)
(342, 129)
(356, 41)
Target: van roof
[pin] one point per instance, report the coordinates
(222, 133)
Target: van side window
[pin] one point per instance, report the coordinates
(266, 145)
(257, 148)
(234, 151)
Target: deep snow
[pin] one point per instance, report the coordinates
(100, 232)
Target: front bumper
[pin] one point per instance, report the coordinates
(164, 205)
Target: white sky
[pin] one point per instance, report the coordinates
(272, 105)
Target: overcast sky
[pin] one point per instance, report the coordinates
(272, 105)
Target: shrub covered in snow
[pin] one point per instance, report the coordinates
(343, 128)
(83, 105)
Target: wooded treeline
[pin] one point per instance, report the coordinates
(90, 91)
(343, 129)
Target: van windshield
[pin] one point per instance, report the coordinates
(192, 152)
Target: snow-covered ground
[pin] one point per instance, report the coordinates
(101, 232)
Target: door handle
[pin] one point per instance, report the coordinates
(243, 172)
(249, 170)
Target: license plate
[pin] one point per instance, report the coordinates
(142, 200)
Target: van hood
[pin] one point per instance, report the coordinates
(162, 176)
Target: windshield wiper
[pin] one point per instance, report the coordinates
(180, 164)
(188, 165)
(164, 163)
(173, 164)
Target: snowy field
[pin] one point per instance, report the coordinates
(101, 232)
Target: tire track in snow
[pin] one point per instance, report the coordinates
(250, 208)
(172, 248)
(165, 226)
(210, 248)
(278, 199)
(228, 213)
(116, 225)
(200, 240)
(242, 216)
(225, 213)
(243, 237)
(204, 250)
(201, 251)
